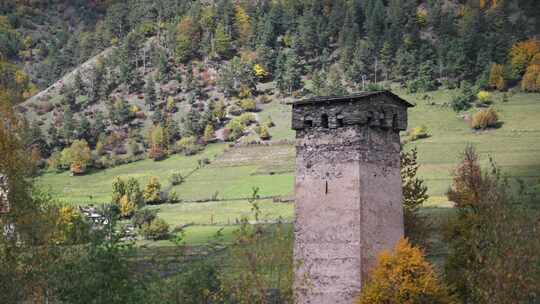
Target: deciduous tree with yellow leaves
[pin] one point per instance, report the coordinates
(404, 277)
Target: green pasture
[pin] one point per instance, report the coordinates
(235, 171)
(95, 187)
(235, 174)
(515, 147)
(223, 212)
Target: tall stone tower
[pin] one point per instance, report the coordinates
(348, 191)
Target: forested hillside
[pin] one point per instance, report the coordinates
(135, 76)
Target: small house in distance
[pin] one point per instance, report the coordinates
(348, 191)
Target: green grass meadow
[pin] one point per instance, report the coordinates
(234, 172)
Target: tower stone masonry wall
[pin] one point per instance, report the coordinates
(348, 192)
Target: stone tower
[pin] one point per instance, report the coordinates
(348, 191)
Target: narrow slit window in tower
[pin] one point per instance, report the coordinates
(324, 121)
(339, 121)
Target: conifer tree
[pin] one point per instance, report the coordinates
(222, 41)
(288, 72)
(150, 92)
(78, 84)
(68, 127)
(375, 23)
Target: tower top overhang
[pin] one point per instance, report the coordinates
(357, 97)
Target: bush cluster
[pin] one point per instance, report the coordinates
(404, 276)
(157, 229)
(188, 145)
(419, 133)
(484, 119)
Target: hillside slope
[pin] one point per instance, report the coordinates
(234, 171)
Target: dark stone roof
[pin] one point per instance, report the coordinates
(347, 98)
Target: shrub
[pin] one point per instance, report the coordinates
(173, 198)
(403, 276)
(493, 239)
(176, 179)
(200, 283)
(486, 118)
(188, 145)
(531, 79)
(143, 216)
(484, 96)
(419, 133)
(268, 122)
(208, 133)
(234, 129)
(55, 162)
(127, 196)
(263, 132)
(248, 105)
(247, 118)
(463, 100)
(156, 153)
(158, 229)
(77, 157)
(152, 191)
(260, 71)
(127, 207)
(235, 110)
(496, 77)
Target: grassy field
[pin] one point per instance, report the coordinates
(95, 187)
(515, 147)
(222, 213)
(233, 172)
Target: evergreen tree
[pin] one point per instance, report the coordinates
(157, 116)
(55, 140)
(119, 111)
(70, 98)
(360, 69)
(150, 92)
(317, 83)
(164, 67)
(375, 23)
(68, 127)
(171, 130)
(78, 84)
(192, 124)
(84, 130)
(308, 33)
(97, 82)
(288, 72)
(99, 125)
(222, 41)
(334, 86)
(266, 32)
(387, 59)
(116, 20)
(348, 37)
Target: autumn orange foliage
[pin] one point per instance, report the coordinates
(496, 77)
(522, 54)
(531, 79)
(403, 277)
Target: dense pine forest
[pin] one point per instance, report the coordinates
(148, 157)
(218, 54)
(420, 43)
